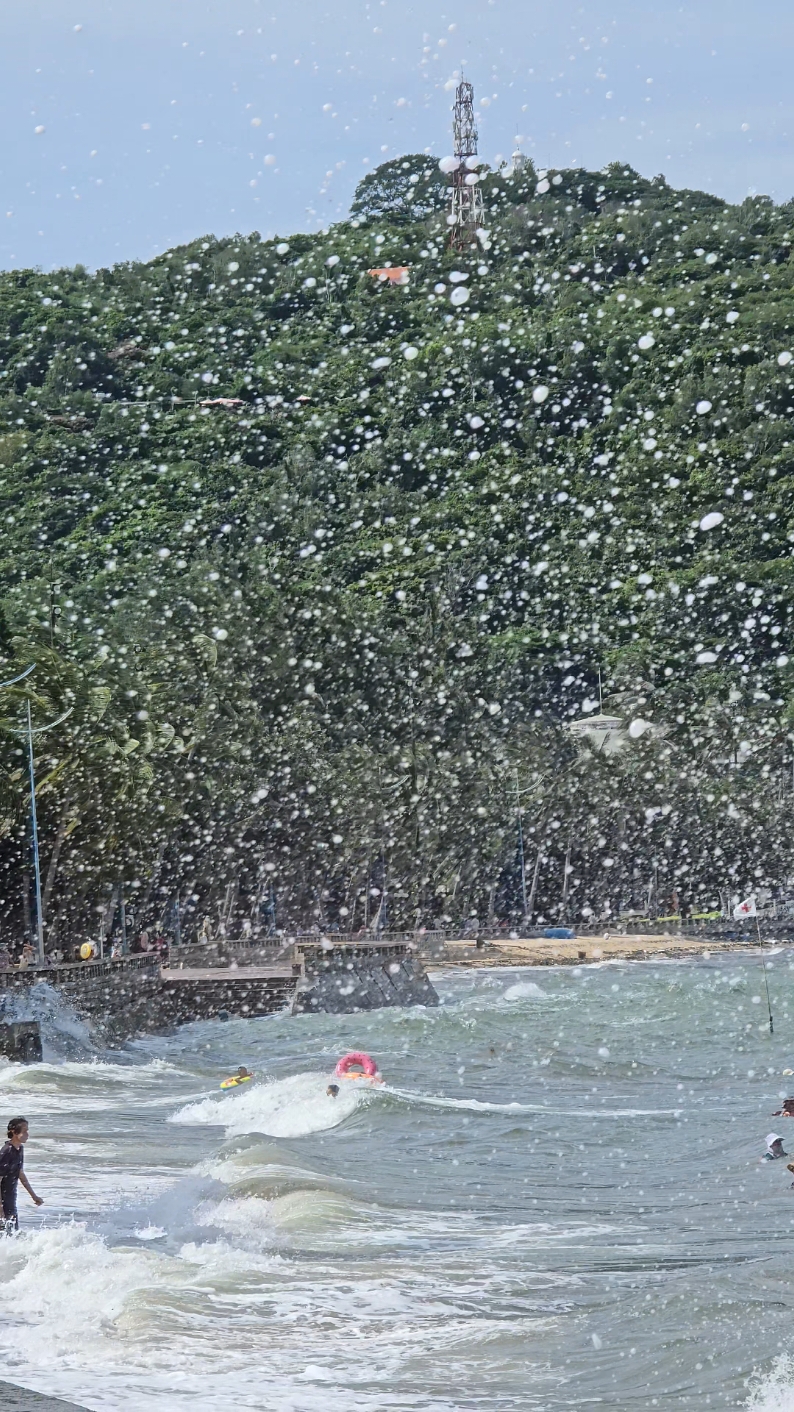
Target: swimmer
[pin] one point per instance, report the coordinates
(787, 1111)
(242, 1076)
(774, 1148)
(332, 1091)
(12, 1157)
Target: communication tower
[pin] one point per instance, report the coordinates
(466, 215)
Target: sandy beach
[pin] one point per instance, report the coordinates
(542, 951)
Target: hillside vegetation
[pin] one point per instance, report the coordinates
(314, 642)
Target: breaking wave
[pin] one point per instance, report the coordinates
(291, 1107)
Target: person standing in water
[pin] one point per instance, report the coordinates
(12, 1157)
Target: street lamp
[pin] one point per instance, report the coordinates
(30, 732)
(521, 850)
(528, 900)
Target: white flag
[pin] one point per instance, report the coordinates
(744, 909)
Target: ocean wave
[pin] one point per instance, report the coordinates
(87, 1073)
(62, 1288)
(477, 1105)
(293, 1107)
(524, 990)
(335, 1221)
(96, 1086)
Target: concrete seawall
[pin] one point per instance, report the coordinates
(344, 979)
(188, 993)
(136, 995)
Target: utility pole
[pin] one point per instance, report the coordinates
(34, 824)
(534, 886)
(466, 213)
(566, 876)
(521, 851)
(35, 832)
(3, 685)
(30, 732)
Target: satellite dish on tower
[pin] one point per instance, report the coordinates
(603, 733)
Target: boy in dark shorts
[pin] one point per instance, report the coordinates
(12, 1157)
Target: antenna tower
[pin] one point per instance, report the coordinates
(466, 216)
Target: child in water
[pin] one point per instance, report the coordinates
(12, 1157)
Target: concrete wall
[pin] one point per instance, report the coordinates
(343, 980)
(124, 1002)
(224, 992)
(128, 997)
(21, 1399)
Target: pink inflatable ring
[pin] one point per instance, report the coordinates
(357, 1066)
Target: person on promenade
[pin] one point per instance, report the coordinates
(12, 1157)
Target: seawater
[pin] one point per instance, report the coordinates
(555, 1201)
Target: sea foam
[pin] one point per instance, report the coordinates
(775, 1391)
(291, 1107)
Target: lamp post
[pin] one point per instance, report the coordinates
(34, 825)
(528, 899)
(35, 833)
(30, 732)
(521, 850)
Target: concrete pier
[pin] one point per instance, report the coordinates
(136, 995)
(191, 994)
(343, 978)
(22, 1399)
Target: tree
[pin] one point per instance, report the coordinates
(403, 190)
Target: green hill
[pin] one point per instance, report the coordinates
(312, 639)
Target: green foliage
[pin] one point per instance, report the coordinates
(311, 636)
(406, 189)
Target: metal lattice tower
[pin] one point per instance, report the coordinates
(466, 216)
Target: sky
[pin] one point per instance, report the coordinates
(131, 126)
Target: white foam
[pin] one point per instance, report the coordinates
(291, 1107)
(247, 1219)
(524, 990)
(775, 1391)
(61, 1289)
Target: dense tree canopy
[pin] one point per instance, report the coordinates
(404, 190)
(325, 567)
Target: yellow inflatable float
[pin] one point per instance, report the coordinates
(243, 1076)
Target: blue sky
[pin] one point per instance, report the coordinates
(132, 125)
